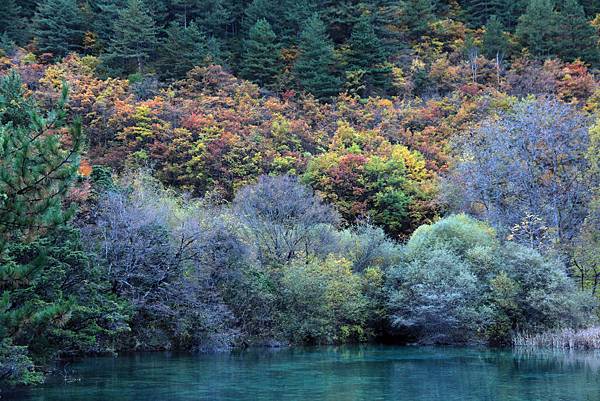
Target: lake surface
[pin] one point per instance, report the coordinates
(331, 373)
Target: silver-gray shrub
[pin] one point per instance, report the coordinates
(150, 244)
(366, 245)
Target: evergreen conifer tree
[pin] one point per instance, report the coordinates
(340, 16)
(104, 14)
(134, 39)
(365, 46)
(416, 16)
(386, 16)
(159, 10)
(366, 55)
(314, 68)
(591, 7)
(260, 54)
(53, 301)
(478, 12)
(58, 27)
(495, 43)
(576, 37)
(537, 28)
(294, 15)
(6, 44)
(28, 8)
(261, 9)
(219, 20)
(183, 11)
(216, 17)
(10, 19)
(509, 12)
(184, 48)
(36, 172)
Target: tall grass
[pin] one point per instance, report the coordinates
(586, 339)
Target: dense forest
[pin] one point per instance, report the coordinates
(214, 174)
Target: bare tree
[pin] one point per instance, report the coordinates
(528, 161)
(284, 218)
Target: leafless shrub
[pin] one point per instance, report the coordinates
(585, 339)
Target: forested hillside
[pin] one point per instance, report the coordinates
(366, 48)
(209, 174)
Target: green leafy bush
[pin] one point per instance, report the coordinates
(323, 302)
(458, 283)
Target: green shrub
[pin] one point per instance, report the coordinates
(458, 283)
(323, 302)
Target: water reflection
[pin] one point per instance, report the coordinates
(335, 373)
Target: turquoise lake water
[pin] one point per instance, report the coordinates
(331, 373)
